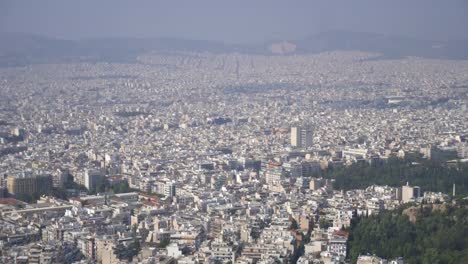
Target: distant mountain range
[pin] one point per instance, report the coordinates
(388, 46)
(23, 49)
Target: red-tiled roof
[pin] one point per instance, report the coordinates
(149, 203)
(149, 196)
(341, 233)
(10, 201)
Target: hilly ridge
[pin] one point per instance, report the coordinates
(18, 49)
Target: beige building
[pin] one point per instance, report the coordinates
(28, 185)
(408, 193)
(301, 137)
(316, 184)
(370, 260)
(105, 251)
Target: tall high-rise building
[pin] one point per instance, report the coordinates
(409, 192)
(301, 137)
(18, 185)
(166, 188)
(274, 175)
(59, 178)
(316, 184)
(170, 189)
(92, 179)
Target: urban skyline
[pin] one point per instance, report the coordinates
(345, 148)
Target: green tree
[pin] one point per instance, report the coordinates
(430, 175)
(127, 252)
(439, 236)
(324, 223)
(294, 225)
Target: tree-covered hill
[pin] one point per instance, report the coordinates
(430, 175)
(437, 236)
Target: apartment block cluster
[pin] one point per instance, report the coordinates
(215, 213)
(222, 155)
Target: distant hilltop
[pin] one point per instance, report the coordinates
(282, 48)
(17, 49)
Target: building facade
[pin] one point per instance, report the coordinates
(18, 185)
(301, 137)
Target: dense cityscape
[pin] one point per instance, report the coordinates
(223, 158)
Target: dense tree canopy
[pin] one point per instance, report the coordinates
(127, 252)
(121, 187)
(430, 175)
(437, 236)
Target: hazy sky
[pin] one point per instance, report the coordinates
(234, 20)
